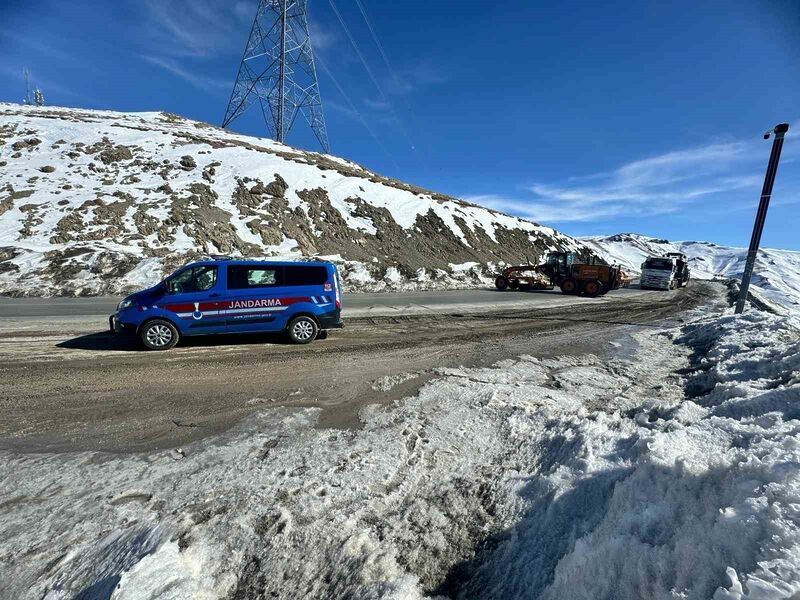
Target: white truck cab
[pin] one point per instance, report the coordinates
(658, 273)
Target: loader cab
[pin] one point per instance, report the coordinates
(559, 263)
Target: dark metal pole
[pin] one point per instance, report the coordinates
(761, 215)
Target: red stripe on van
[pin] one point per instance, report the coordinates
(231, 304)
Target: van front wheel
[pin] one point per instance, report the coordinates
(158, 334)
(302, 330)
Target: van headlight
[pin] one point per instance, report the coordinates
(126, 303)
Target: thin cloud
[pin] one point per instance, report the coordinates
(658, 185)
(405, 82)
(195, 28)
(322, 38)
(544, 213)
(342, 109)
(36, 45)
(378, 105)
(208, 84)
(244, 11)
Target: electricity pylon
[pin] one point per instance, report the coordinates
(278, 69)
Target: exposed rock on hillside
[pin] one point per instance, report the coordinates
(98, 202)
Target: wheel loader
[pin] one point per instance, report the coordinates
(590, 278)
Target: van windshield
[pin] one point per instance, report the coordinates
(195, 279)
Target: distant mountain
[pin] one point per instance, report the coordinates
(776, 273)
(95, 202)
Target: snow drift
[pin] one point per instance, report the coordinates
(96, 202)
(672, 475)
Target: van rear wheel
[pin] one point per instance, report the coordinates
(302, 330)
(158, 334)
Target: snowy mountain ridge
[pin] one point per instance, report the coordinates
(99, 202)
(776, 273)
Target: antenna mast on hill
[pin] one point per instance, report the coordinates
(38, 96)
(278, 70)
(27, 75)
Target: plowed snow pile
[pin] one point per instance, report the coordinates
(675, 474)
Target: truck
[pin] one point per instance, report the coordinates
(666, 272)
(590, 277)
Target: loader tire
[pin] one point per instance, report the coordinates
(501, 283)
(569, 287)
(592, 288)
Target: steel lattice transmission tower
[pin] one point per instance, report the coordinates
(278, 69)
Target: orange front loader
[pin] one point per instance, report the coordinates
(590, 278)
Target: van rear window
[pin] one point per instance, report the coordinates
(243, 277)
(301, 275)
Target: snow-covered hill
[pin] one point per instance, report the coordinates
(96, 202)
(777, 272)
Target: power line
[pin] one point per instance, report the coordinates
(375, 38)
(385, 57)
(355, 110)
(357, 50)
(369, 71)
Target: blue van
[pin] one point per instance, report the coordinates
(303, 299)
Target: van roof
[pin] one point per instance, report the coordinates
(245, 262)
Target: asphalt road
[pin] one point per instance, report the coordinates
(354, 304)
(68, 385)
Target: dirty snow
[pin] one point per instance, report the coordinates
(670, 474)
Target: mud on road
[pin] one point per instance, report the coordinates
(65, 389)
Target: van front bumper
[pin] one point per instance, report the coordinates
(115, 326)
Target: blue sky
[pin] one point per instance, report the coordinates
(593, 117)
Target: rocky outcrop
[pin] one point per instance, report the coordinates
(95, 202)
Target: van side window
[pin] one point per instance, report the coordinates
(241, 277)
(301, 275)
(196, 279)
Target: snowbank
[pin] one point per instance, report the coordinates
(670, 474)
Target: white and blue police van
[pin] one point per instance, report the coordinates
(302, 299)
